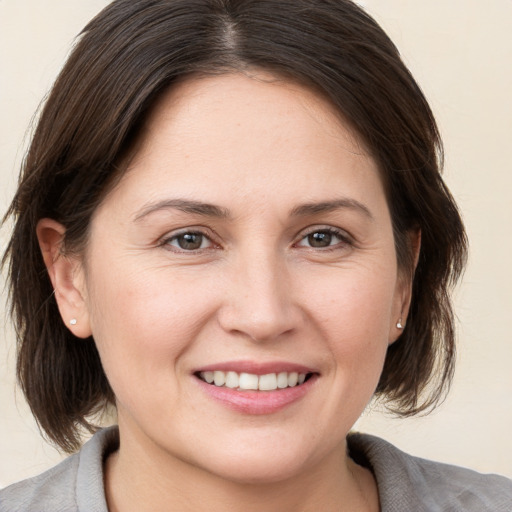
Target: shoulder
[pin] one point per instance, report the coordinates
(76, 484)
(51, 490)
(411, 483)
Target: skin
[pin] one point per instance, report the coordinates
(256, 290)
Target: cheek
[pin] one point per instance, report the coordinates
(142, 321)
(354, 301)
(354, 312)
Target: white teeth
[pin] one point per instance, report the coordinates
(282, 380)
(267, 382)
(219, 378)
(208, 377)
(293, 378)
(250, 381)
(232, 380)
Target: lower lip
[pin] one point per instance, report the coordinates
(257, 402)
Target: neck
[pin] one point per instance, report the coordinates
(142, 480)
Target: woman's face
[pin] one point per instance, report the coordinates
(249, 240)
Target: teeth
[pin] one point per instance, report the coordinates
(208, 377)
(293, 378)
(219, 378)
(232, 380)
(268, 382)
(250, 381)
(282, 380)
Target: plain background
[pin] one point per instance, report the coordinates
(460, 51)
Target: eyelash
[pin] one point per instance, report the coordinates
(343, 237)
(167, 241)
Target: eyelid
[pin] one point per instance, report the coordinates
(165, 240)
(342, 234)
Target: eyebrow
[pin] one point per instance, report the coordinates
(211, 210)
(328, 206)
(184, 205)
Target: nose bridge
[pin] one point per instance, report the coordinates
(260, 303)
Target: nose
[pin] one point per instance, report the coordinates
(259, 303)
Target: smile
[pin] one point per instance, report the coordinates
(252, 382)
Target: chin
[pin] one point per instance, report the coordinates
(258, 472)
(257, 463)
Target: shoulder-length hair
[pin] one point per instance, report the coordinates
(123, 61)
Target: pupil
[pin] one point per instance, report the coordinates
(320, 239)
(190, 241)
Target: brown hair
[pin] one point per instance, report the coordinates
(125, 58)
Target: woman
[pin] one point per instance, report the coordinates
(231, 225)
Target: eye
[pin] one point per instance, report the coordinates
(323, 238)
(189, 241)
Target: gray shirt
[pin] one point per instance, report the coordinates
(406, 483)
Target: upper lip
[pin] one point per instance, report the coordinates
(256, 368)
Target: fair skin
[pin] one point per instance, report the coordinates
(250, 234)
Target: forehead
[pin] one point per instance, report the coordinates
(244, 133)
(245, 100)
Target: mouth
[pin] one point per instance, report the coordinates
(253, 388)
(253, 382)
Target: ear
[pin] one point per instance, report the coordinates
(67, 277)
(403, 291)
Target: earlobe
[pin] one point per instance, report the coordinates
(66, 275)
(405, 281)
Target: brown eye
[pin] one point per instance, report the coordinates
(324, 238)
(320, 239)
(189, 241)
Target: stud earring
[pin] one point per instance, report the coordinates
(73, 321)
(399, 324)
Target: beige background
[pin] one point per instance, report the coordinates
(461, 53)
